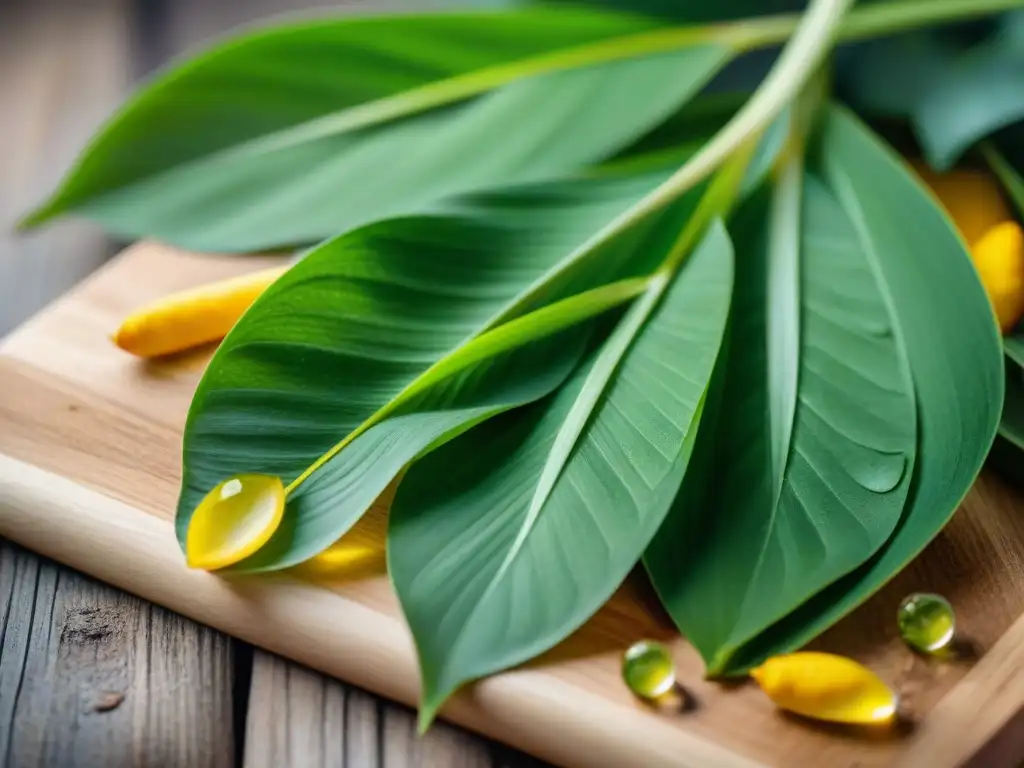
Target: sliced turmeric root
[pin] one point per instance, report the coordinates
(192, 317)
(999, 258)
(975, 203)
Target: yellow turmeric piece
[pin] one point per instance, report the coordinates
(976, 205)
(824, 686)
(192, 317)
(999, 258)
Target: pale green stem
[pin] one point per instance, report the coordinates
(802, 55)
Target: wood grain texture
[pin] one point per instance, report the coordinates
(301, 717)
(103, 431)
(90, 676)
(332, 629)
(63, 66)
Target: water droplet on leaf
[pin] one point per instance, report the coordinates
(234, 520)
(926, 622)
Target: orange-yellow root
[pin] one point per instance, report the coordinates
(977, 207)
(972, 197)
(827, 687)
(193, 317)
(999, 258)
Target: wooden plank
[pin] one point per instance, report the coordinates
(124, 441)
(550, 707)
(88, 675)
(91, 676)
(63, 67)
(301, 717)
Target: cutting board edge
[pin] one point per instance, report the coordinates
(137, 552)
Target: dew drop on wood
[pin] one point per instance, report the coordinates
(648, 669)
(926, 622)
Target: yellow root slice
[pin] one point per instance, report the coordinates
(973, 199)
(999, 258)
(193, 317)
(826, 687)
(976, 205)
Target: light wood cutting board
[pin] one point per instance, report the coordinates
(89, 466)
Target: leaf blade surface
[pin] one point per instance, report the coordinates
(321, 381)
(487, 582)
(954, 353)
(766, 524)
(294, 134)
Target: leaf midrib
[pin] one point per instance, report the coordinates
(466, 85)
(479, 347)
(800, 55)
(738, 36)
(605, 366)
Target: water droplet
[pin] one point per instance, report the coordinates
(234, 520)
(824, 686)
(648, 669)
(926, 622)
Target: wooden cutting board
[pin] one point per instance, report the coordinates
(89, 466)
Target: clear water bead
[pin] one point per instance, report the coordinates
(648, 669)
(926, 622)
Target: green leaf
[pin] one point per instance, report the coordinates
(492, 562)
(803, 475)
(1014, 347)
(289, 135)
(515, 364)
(953, 349)
(266, 380)
(414, 319)
(978, 93)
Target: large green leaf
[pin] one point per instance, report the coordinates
(514, 364)
(395, 335)
(292, 134)
(494, 556)
(803, 474)
(886, 77)
(953, 349)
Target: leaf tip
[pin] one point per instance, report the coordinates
(427, 715)
(36, 217)
(719, 665)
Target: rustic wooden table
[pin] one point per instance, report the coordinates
(90, 676)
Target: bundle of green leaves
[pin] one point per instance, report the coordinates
(597, 303)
